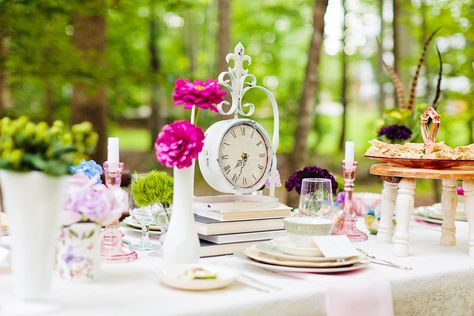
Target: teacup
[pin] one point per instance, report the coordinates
(302, 229)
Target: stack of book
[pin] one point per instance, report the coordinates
(223, 232)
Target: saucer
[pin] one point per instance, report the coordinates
(173, 277)
(268, 248)
(285, 245)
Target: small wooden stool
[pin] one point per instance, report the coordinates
(403, 179)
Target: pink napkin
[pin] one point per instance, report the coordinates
(357, 293)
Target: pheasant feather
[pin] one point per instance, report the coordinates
(400, 91)
(440, 75)
(411, 100)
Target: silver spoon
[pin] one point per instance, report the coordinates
(384, 262)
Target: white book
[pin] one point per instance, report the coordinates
(208, 226)
(209, 249)
(233, 238)
(235, 215)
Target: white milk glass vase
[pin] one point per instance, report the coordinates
(33, 201)
(182, 243)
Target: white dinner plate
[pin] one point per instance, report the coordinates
(171, 277)
(434, 213)
(275, 268)
(285, 245)
(428, 219)
(253, 253)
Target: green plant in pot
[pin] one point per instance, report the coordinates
(34, 158)
(152, 193)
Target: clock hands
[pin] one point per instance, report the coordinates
(241, 163)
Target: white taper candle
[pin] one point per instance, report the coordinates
(349, 157)
(113, 150)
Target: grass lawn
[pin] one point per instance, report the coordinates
(136, 139)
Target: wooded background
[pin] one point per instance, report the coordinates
(114, 63)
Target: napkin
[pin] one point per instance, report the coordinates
(357, 293)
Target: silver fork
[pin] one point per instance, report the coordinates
(384, 262)
(257, 284)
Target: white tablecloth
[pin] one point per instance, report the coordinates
(441, 283)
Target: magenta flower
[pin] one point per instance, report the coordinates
(204, 95)
(178, 144)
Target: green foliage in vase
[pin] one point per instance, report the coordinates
(154, 187)
(28, 146)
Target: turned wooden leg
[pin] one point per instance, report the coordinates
(449, 201)
(468, 187)
(389, 194)
(403, 207)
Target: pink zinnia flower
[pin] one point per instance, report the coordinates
(204, 95)
(178, 144)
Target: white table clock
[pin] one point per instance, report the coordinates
(238, 155)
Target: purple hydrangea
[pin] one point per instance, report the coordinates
(295, 180)
(395, 133)
(87, 201)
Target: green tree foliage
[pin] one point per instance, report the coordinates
(41, 61)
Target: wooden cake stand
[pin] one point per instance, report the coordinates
(398, 195)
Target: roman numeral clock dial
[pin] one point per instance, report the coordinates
(243, 155)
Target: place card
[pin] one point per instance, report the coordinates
(335, 246)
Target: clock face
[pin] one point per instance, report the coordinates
(243, 155)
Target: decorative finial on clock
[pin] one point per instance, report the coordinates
(238, 81)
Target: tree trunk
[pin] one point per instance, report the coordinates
(396, 42)
(223, 34)
(343, 81)
(190, 41)
(89, 101)
(155, 122)
(380, 71)
(49, 100)
(306, 109)
(3, 72)
(470, 122)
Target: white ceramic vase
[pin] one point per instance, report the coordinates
(182, 242)
(79, 252)
(33, 201)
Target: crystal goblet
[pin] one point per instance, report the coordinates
(144, 216)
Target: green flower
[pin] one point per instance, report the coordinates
(154, 187)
